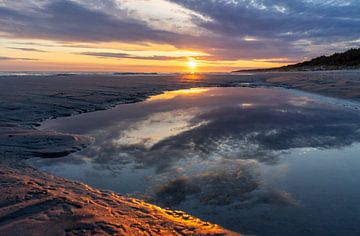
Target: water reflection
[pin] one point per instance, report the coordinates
(172, 94)
(204, 150)
(157, 127)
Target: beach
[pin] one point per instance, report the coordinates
(33, 198)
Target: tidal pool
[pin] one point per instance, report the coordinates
(258, 161)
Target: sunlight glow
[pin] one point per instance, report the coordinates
(172, 94)
(246, 105)
(47, 55)
(182, 92)
(192, 63)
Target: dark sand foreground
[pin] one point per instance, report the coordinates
(36, 203)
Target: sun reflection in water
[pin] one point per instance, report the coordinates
(182, 92)
(246, 105)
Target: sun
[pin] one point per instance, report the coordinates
(192, 63)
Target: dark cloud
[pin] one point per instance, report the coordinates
(129, 56)
(176, 191)
(17, 58)
(278, 24)
(68, 21)
(230, 183)
(27, 49)
(34, 44)
(287, 61)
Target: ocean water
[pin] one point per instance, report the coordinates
(259, 161)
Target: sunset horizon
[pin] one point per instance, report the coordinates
(164, 36)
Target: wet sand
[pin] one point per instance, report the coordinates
(36, 203)
(336, 84)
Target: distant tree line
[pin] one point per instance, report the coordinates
(338, 61)
(348, 59)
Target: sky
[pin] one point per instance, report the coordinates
(172, 35)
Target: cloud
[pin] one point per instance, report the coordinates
(276, 60)
(231, 184)
(70, 21)
(227, 30)
(278, 24)
(130, 56)
(34, 44)
(27, 49)
(17, 58)
(227, 182)
(125, 55)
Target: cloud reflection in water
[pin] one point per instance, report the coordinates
(204, 147)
